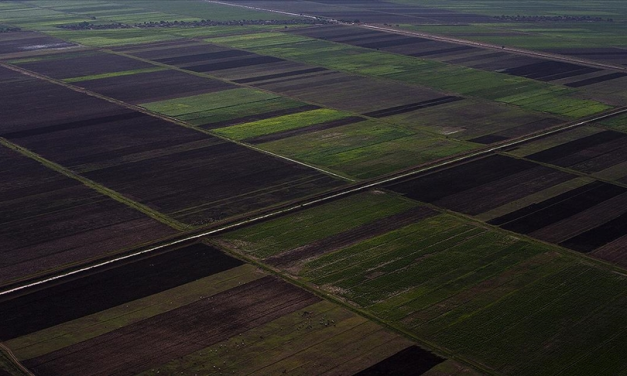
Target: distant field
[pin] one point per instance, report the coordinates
(458, 285)
(489, 85)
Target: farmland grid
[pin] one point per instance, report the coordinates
(494, 233)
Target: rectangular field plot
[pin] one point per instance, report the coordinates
(153, 86)
(509, 304)
(595, 151)
(520, 196)
(27, 41)
(282, 237)
(476, 121)
(188, 175)
(84, 64)
(49, 220)
(253, 132)
(483, 80)
(366, 149)
(20, 110)
(203, 312)
(590, 154)
(482, 185)
(540, 69)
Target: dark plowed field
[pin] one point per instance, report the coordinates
(444, 51)
(188, 175)
(533, 68)
(21, 110)
(109, 288)
(49, 220)
(598, 236)
(537, 216)
(209, 183)
(481, 185)
(154, 86)
(614, 251)
(397, 110)
(86, 64)
(280, 75)
(550, 70)
(350, 237)
(188, 59)
(238, 63)
(527, 128)
(409, 362)
(604, 54)
(169, 49)
(29, 41)
(588, 154)
(346, 92)
(167, 336)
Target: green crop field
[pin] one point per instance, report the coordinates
(618, 123)
(113, 74)
(476, 292)
(367, 149)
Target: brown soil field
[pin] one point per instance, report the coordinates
(49, 220)
(178, 332)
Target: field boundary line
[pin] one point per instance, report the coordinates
(7, 351)
(108, 192)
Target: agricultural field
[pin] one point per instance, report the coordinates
(579, 213)
(471, 290)
(337, 187)
(50, 220)
(530, 94)
(241, 319)
(364, 149)
(588, 150)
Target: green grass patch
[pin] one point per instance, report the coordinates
(617, 123)
(281, 123)
(206, 102)
(436, 75)
(113, 74)
(304, 227)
